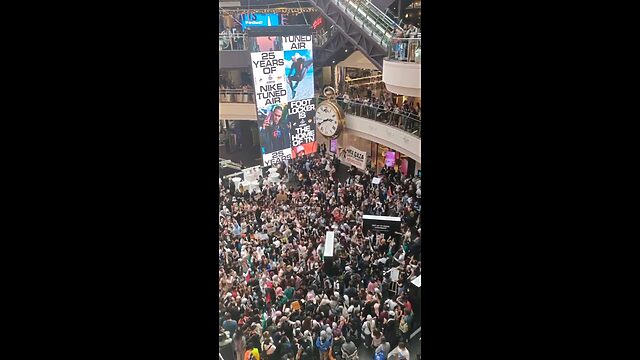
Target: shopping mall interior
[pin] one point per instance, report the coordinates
(320, 134)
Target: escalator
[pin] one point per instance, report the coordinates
(359, 23)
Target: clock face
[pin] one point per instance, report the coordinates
(327, 120)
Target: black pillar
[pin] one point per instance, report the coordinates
(411, 166)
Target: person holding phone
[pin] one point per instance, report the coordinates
(274, 132)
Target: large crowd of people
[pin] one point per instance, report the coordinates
(278, 297)
(385, 109)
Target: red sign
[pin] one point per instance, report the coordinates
(317, 23)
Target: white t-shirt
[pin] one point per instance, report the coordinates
(402, 354)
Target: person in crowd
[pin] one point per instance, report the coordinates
(349, 348)
(382, 350)
(230, 324)
(405, 325)
(400, 353)
(323, 344)
(277, 297)
(239, 345)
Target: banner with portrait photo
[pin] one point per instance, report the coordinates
(282, 64)
(275, 135)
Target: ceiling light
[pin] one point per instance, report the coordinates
(345, 50)
(333, 62)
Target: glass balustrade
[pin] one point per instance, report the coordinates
(364, 81)
(405, 49)
(237, 96)
(321, 37)
(408, 122)
(405, 121)
(232, 42)
(373, 21)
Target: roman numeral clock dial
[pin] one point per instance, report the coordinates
(329, 119)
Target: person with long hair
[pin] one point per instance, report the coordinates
(239, 345)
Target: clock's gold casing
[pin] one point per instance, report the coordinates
(340, 114)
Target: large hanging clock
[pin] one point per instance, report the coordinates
(330, 119)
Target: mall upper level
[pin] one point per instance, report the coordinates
(394, 129)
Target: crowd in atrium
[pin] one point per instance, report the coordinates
(279, 300)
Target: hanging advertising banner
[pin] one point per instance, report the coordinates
(284, 83)
(303, 127)
(353, 156)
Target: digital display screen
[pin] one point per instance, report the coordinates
(252, 20)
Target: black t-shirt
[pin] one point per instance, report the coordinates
(287, 329)
(356, 323)
(308, 353)
(254, 341)
(351, 292)
(310, 307)
(235, 313)
(325, 309)
(390, 329)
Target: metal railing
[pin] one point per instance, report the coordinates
(321, 37)
(232, 42)
(405, 49)
(237, 96)
(400, 119)
(367, 80)
(238, 41)
(373, 20)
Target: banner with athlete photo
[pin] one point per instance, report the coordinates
(284, 85)
(298, 58)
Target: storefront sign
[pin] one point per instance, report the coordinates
(355, 157)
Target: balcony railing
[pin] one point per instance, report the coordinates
(405, 49)
(364, 81)
(402, 120)
(232, 42)
(237, 96)
(238, 41)
(322, 36)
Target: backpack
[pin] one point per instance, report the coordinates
(404, 327)
(366, 325)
